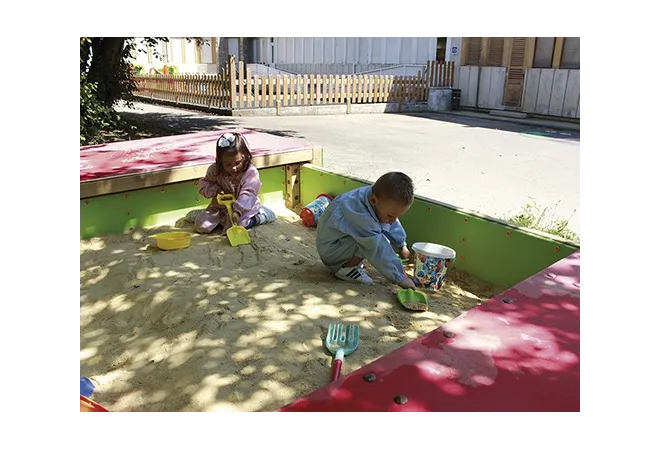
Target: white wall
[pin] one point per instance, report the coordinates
(175, 53)
(141, 58)
(182, 68)
(453, 42)
(207, 52)
(347, 50)
(339, 69)
(190, 51)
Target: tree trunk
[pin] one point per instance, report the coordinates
(107, 56)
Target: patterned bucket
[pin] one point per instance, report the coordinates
(431, 264)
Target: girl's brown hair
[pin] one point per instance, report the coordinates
(232, 143)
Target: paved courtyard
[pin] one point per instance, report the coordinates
(490, 166)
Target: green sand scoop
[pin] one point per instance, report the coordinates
(413, 299)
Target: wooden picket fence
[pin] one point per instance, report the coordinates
(440, 74)
(266, 91)
(194, 89)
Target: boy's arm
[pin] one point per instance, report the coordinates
(374, 245)
(250, 187)
(208, 187)
(396, 234)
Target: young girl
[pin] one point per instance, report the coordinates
(232, 173)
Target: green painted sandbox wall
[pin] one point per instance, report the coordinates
(160, 205)
(492, 251)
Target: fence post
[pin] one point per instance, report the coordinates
(177, 88)
(451, 76)
(232, 82)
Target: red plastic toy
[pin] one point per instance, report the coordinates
(310, 214)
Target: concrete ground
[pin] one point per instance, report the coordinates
(491, 166)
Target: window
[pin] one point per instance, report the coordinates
(570, 55)
(232, 47)
(441, 49)
(272, 50)
(545, 47)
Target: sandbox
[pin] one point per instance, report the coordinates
(215, 327)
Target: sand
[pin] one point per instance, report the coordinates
(218, 328)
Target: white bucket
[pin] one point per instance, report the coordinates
(431, 264)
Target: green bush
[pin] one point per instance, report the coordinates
(537, 218)
(95, 116)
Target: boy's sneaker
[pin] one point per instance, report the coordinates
(264, 215)
(356, 273)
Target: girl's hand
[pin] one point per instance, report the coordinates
(405, 253)
(235, 214)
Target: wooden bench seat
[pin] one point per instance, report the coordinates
(129, 165)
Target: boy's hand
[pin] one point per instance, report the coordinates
(405, 253)
(407, 283)
(236, 216)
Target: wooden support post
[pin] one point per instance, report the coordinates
(232, 82)
(556, 54)
(485, 48)
(292, 185)
(529, 52)
(317, 158)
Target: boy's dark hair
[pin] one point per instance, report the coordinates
(394, 186)
(232, 143)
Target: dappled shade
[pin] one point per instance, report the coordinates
(215, 327)
(520, 351)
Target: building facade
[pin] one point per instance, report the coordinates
(537, 75)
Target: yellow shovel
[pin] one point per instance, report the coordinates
(237, 235)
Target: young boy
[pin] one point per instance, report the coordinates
(363, 224)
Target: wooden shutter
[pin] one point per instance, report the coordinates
(495, 51)
(518, 51)
(473, 52)
(514, 78)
